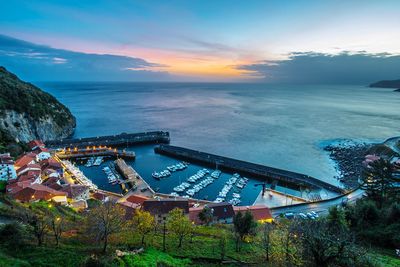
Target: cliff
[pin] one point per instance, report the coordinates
(387, 84)
(27, 113)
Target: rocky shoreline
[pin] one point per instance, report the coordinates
(348, 156)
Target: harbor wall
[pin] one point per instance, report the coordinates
(124, 139)
(246, 168)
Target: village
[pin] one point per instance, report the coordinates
(43, 174)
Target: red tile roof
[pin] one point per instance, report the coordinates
(13, 188)
(136, 199)
(35, 143)
(27, 177)
(74, 190)
(25, 159)
(37, 192)
(52, 182)
(6, 159)
(38, 150)
(99, 196)
(259, 212)
(29, 167)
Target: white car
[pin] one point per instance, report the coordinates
(302, 215)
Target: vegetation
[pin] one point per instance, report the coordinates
(103, 221)
(143, 223)
(33, 105)
(26, 98)
(361, 234)
(179, 224)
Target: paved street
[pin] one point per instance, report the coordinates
(321, 207)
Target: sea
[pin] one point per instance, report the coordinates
(283, 126)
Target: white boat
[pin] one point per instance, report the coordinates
(98, 161)
(215, 174)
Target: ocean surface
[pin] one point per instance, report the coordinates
(283, 126)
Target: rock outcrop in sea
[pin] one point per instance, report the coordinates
(27, 113)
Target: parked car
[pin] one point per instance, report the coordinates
(309, 215)
(289, 215)
(144, 189)
(302, 216)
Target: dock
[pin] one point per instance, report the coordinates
(94, 152)
(119, 140)
(259, 171)
(131, 176)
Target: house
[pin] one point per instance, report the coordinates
(26, 159)
(136, 199)
(79, 205)
(14, 187)
(53, 182)
(50, 173)
(260, 213)
(160, 208)
(131, 203)
(52, 164)
(32, 176)
(35, 144)
(370, 159)
(221, 213)
(36, 192)
(129, 208)
(27, 168)
(100, 196)
(7, 170)
(42, 153)
(76, 192)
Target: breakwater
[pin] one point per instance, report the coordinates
(263, 172)
(124, 139)
(96, 153)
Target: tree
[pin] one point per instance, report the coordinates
(206, 215)
(12, 235)
(57, 227)
(222, 242)
(38, 224)
(378, 181)
(179, 224)
(243, 225)
(143, 223)
(337, 218)
(103, 221)
(323, 244)
(266, 229)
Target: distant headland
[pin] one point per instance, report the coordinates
(387, 84)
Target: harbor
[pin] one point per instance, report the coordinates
(263, 172)
(185, 180)
(151, 169)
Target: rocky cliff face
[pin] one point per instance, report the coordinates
(27, 113)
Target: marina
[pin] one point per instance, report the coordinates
(194, 181)
(263, 172)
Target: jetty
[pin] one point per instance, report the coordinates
(119, 140)
(259, 171)
(94, 152)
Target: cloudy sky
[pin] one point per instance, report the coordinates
(270, 41)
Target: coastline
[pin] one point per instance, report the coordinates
(347, 156)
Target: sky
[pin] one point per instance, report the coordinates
(268, 41)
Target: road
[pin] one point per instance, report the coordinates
(319, 207)
(392, 143)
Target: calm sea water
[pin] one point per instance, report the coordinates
(278, 125)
